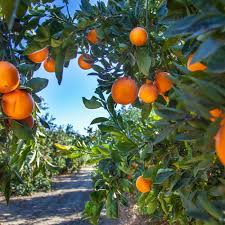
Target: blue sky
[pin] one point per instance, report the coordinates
(65, 101)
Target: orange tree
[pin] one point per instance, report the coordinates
(24, 147)
(171, 54)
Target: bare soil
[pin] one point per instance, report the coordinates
(62, 206)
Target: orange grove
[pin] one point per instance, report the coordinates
(17, 104)
(49, 65)
(197, 66)
(9, 77)
(39, 56)
(124, 91)
(139, 36)
(143, 185)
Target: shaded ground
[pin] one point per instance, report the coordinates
(62, 206)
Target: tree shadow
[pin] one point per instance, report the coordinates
(71, 185)
(59, 205)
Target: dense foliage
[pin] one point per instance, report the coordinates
(170, 141)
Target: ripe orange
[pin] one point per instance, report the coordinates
(143, 185)
(163, 82)
(139, 36)
(124, 91)
(223, 121)
(9, 77)
(39, 56)
(220, 144)
(148, 92)
(215, 113)
(83, 64)
(197, 66)
(92, 37)
(17, 104)
(49, 65)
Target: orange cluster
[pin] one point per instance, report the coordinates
(17, 104)
(125, 91)
(84, 60)
(42, 55)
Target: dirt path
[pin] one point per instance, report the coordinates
(62, 206)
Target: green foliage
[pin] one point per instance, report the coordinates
(171, 142)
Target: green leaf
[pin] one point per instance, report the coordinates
(43, 34)
(111, 206)
(99, 120)
(59, 65)
(207, 48)
(98, 196)
(37, 84)
(163, 175)
(209, 207)
(9, 9)
(143, 60)
(55, 43)
(93, 103)
(216, 62)
(22, 131)
(34, 46)
(145, 111)
(196, 25)
(163, 135)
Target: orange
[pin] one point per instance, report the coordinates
(39, 56)
(92, 37)
(223, 121)
(197, 66)
(215, 113)
(82, 62)
(143, 185)
(9, 77)
(124, 91)
(220, 144)
(49, 65)
(17, 104)
(148, 92)
(139, 36)
(163, 82)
